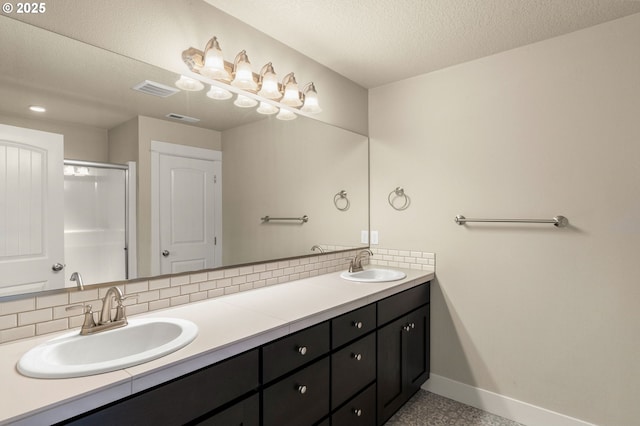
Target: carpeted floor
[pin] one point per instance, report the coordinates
(429, 409)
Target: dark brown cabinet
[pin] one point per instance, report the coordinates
(356, 369)
(403, 360)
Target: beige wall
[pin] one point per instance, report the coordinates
(123, 142)
(80, 142)
(157, 32)
(289, 169)
(547, 316)
(151, 129)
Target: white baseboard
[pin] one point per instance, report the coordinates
(499, 405)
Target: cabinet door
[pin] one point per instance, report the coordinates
(417, 349)
(403, 360)
(390, 369)
(360, 411)
(243, 413)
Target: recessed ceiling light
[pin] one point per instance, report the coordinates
(37, 108)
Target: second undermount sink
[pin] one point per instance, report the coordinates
(374, 275)
(72, 355)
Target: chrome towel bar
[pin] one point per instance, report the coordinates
(303, 219)
(558, 221)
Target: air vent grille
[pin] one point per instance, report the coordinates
(155, 89)
(181, 117)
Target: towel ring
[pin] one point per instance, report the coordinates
(399, 193)
(342, 195)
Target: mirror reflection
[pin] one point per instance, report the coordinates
(145, 190)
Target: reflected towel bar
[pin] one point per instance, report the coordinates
(303, 219)
(558, 221)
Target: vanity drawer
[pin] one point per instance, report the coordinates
(360, 411)
(399, 304)
(353, 325)
(352, 368)
(291, 352)
(184, 399)
(300, 399)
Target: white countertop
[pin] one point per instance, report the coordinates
(228, 325)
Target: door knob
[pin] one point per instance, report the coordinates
(57, 267)
(166, 253)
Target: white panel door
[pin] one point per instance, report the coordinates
(31, 210)
(187, 214)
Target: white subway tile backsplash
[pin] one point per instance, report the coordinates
(45, 314)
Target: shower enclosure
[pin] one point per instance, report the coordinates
(99, 214)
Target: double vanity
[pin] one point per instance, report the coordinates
(324, 350)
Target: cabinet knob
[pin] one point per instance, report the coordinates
(412, 325)
(357, 324)
(302, 350)
(357, 412)
(357, 357)
(302, 389)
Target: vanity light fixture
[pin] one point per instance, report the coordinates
(291, 94)
(218, 93)
(189, 84)
(238, 77)
(310, 97)
(267, 108)
(243, 76)
(213, 62)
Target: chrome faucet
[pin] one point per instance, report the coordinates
(106, 322)
(356, 263)
(78, 279)
(317, 247)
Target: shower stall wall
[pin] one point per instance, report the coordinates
(97, 216)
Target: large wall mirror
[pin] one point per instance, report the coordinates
(146, 194)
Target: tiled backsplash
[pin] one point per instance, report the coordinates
(41, 314)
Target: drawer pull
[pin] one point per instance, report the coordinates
(302, 350)
(357, 357)
(357, 412)
(357, 324)
(302, 389)
(407, 328)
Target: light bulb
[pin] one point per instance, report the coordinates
(291, 95)
(269, 80)
(310, 99)
(243, 75)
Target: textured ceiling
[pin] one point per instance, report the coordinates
(374, 42)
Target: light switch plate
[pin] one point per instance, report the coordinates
(364, 237)
(374, 237)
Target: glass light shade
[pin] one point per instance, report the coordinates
(244, 77)
(291, 95)
(311, 102)
(245, 102)
(189, 84)
(69, 171)
(269, 88)
(285, 114)
(214, 64)
(218, 93)
(266, 108)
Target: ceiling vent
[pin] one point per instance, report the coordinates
(181, 117)
(155, 89)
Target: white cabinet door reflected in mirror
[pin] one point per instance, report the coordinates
(31, 210)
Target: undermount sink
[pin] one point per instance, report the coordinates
(72, 355)
(374, 275)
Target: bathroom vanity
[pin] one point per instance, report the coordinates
(352, 355)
